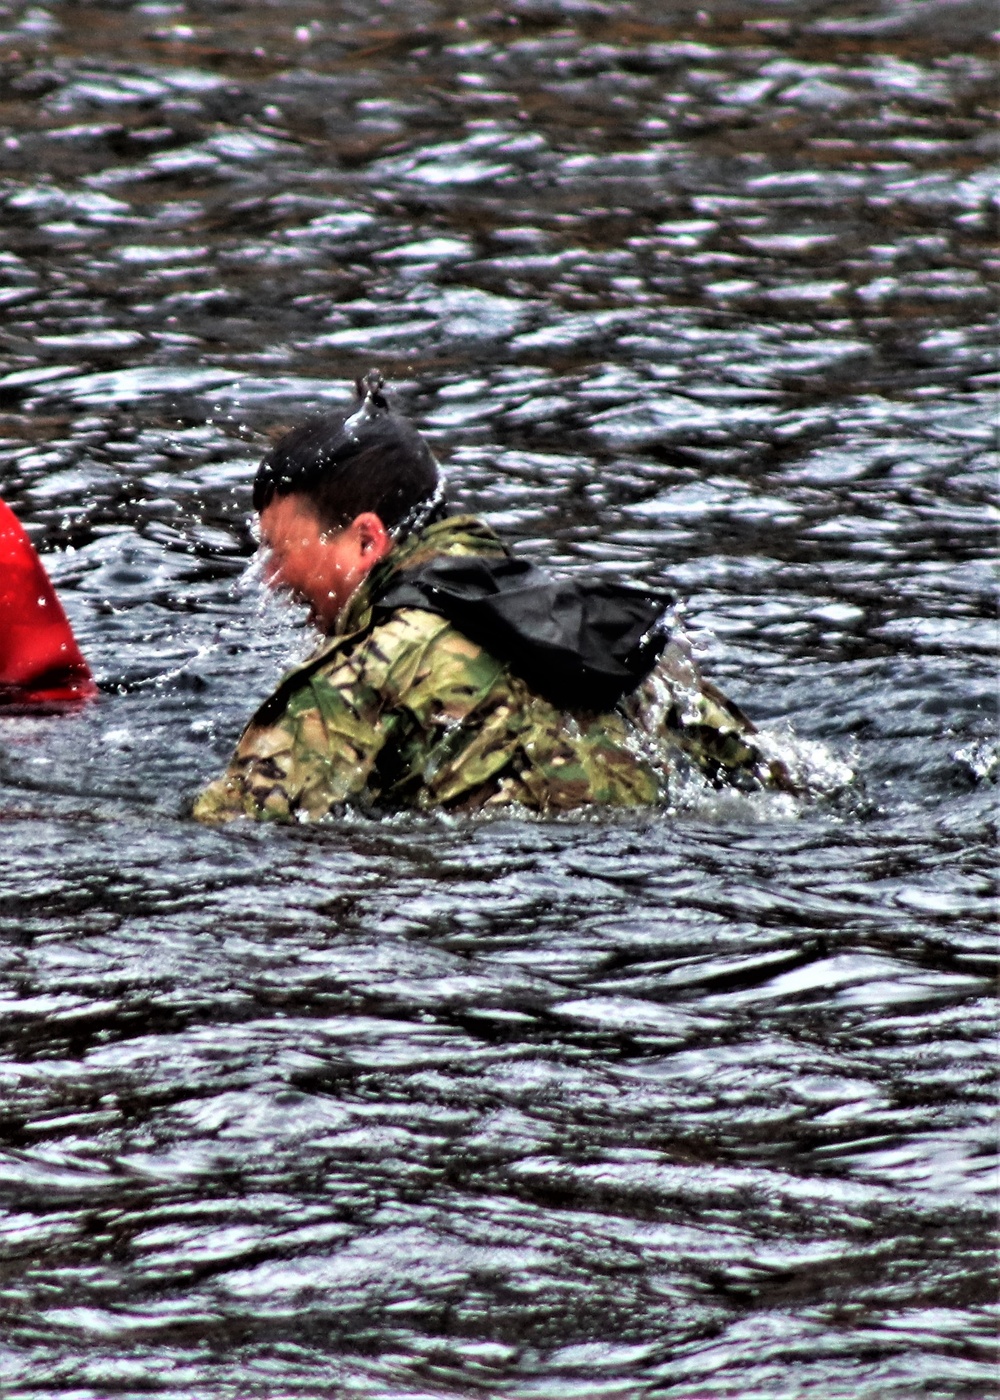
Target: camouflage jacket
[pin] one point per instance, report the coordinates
(408, 712)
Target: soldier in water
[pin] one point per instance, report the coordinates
(450, 674)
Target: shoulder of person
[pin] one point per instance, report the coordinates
(416, 651)
(454, 535)
(387, 657)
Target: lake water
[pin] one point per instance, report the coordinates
(686, 1104)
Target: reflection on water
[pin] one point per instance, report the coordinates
(692, 1105)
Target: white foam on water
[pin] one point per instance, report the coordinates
(813, 766)
(982, 757)
(815, 771)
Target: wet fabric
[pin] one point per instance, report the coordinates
(408, 711)
(581, 643)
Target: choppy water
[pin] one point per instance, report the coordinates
(687, 1106)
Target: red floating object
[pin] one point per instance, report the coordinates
(40, 662)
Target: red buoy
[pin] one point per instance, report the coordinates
(40, 662)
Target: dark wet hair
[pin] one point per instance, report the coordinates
(344, 464)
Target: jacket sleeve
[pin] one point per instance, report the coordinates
(318, 752)
(691, 717)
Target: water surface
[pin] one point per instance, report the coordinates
(686, 1104)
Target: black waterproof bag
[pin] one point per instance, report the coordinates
(581, 643)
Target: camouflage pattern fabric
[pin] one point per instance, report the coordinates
(411, 714)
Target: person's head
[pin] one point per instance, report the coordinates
(335, 494)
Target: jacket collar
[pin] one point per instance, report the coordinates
(456, 534)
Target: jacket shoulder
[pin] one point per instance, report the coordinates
(416, 659)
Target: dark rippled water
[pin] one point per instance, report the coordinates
(691, 1104)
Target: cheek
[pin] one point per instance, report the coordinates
(336, 568)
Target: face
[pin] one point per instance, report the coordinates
(319, 566)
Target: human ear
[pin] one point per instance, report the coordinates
(372, 536)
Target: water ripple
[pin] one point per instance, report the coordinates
(693, 1103)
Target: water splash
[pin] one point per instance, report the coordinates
(815, 770)
(280, 626)
(981, 758)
